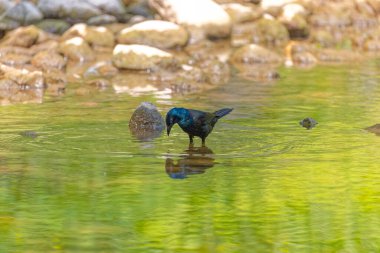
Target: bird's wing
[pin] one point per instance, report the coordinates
(203, 120)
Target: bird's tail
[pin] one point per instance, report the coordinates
(222, 112)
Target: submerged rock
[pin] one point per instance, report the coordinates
(20, 86)
(333, 55)
(156, 33)
(210, 50)
(101, 69)
(29, 133)
(256, 63)
(146, 122)
(20, 78)
(258, 73)
(254, 54)
(216, 72)
(139, 57)
(308, 123)
(298, 53)
(203, 18)
(55, 81)
(374, 129)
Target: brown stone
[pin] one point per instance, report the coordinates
(47, 60)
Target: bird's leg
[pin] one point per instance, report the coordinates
(191, 139)
(203, 142)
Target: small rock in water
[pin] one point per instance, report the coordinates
(308, 123)
(374, 129)
(29, 134)
(146, 122)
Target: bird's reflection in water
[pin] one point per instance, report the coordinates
(195, 160)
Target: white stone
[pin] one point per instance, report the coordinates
(266, 4)
(141, 50)
(201, 17)
(290, 10)
(198, 12)
(157, 25)
(156, 33)
(138, 56)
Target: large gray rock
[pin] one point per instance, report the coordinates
(146, 122)
(102, 20)
(140, 8)
(72, 9)
(203, 18)
(56, 26)
(80, 10)
(6, 5)
(113, 7)
(8, 24)
(139, 57)
(156, 33)
(25, 13)
(5, 22)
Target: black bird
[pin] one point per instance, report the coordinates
(194, 122)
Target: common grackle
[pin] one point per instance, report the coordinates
(194, 122)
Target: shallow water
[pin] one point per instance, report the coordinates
(73, 179)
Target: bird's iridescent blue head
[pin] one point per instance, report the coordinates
(177, 115)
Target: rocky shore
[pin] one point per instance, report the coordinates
(173, 45)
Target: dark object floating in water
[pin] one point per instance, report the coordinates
(374, 129)
(29, 134)
(308, 123)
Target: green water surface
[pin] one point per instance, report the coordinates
(82, 183)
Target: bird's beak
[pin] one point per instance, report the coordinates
(169, 127)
